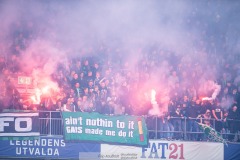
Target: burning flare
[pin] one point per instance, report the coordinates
(155, 111)
(153, 97)
(37, 97)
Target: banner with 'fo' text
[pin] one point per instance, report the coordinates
(18, 124)
(123, 129)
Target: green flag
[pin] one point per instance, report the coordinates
(212, 134)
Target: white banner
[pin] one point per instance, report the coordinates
(164, 150)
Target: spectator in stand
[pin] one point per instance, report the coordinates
(185, 115)
(205, 105)
(193, 112)
(225, 98)
(124, 95)
(225, 129)
(85, 92)
(165, 127)
(77, 67)
(177, 121)
(87, 105)
(224, 80)
(59, 106)
(70, 77)
(108, 85)
(91, 107)
(108, 73)
(199, 107)
(71, 93)
(91, 95)
(233, 121)
(170, 128)
(173, 79)
(82, 80)
(192, 93)
(61, 79)
(86, 67)
(69, 105)
(90, 85)
(236, 96)
(113, 106)
(217, 113)
(89, 76)
(78, 92)
(96, 99)
(162, 127)
(95, 69)
(74, 80)
(205, 119)
(97, 79)
(103, 94)
(79, 106)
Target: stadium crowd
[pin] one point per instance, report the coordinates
(107, 82)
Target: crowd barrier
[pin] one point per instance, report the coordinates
(158, 128)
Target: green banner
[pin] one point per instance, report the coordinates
(123, 129)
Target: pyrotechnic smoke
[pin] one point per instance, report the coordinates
(41, 59)
(182, 28)
(216, 91)
(210, 87)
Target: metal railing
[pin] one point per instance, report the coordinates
(182, 128)
(158, 128)
(51, 123)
